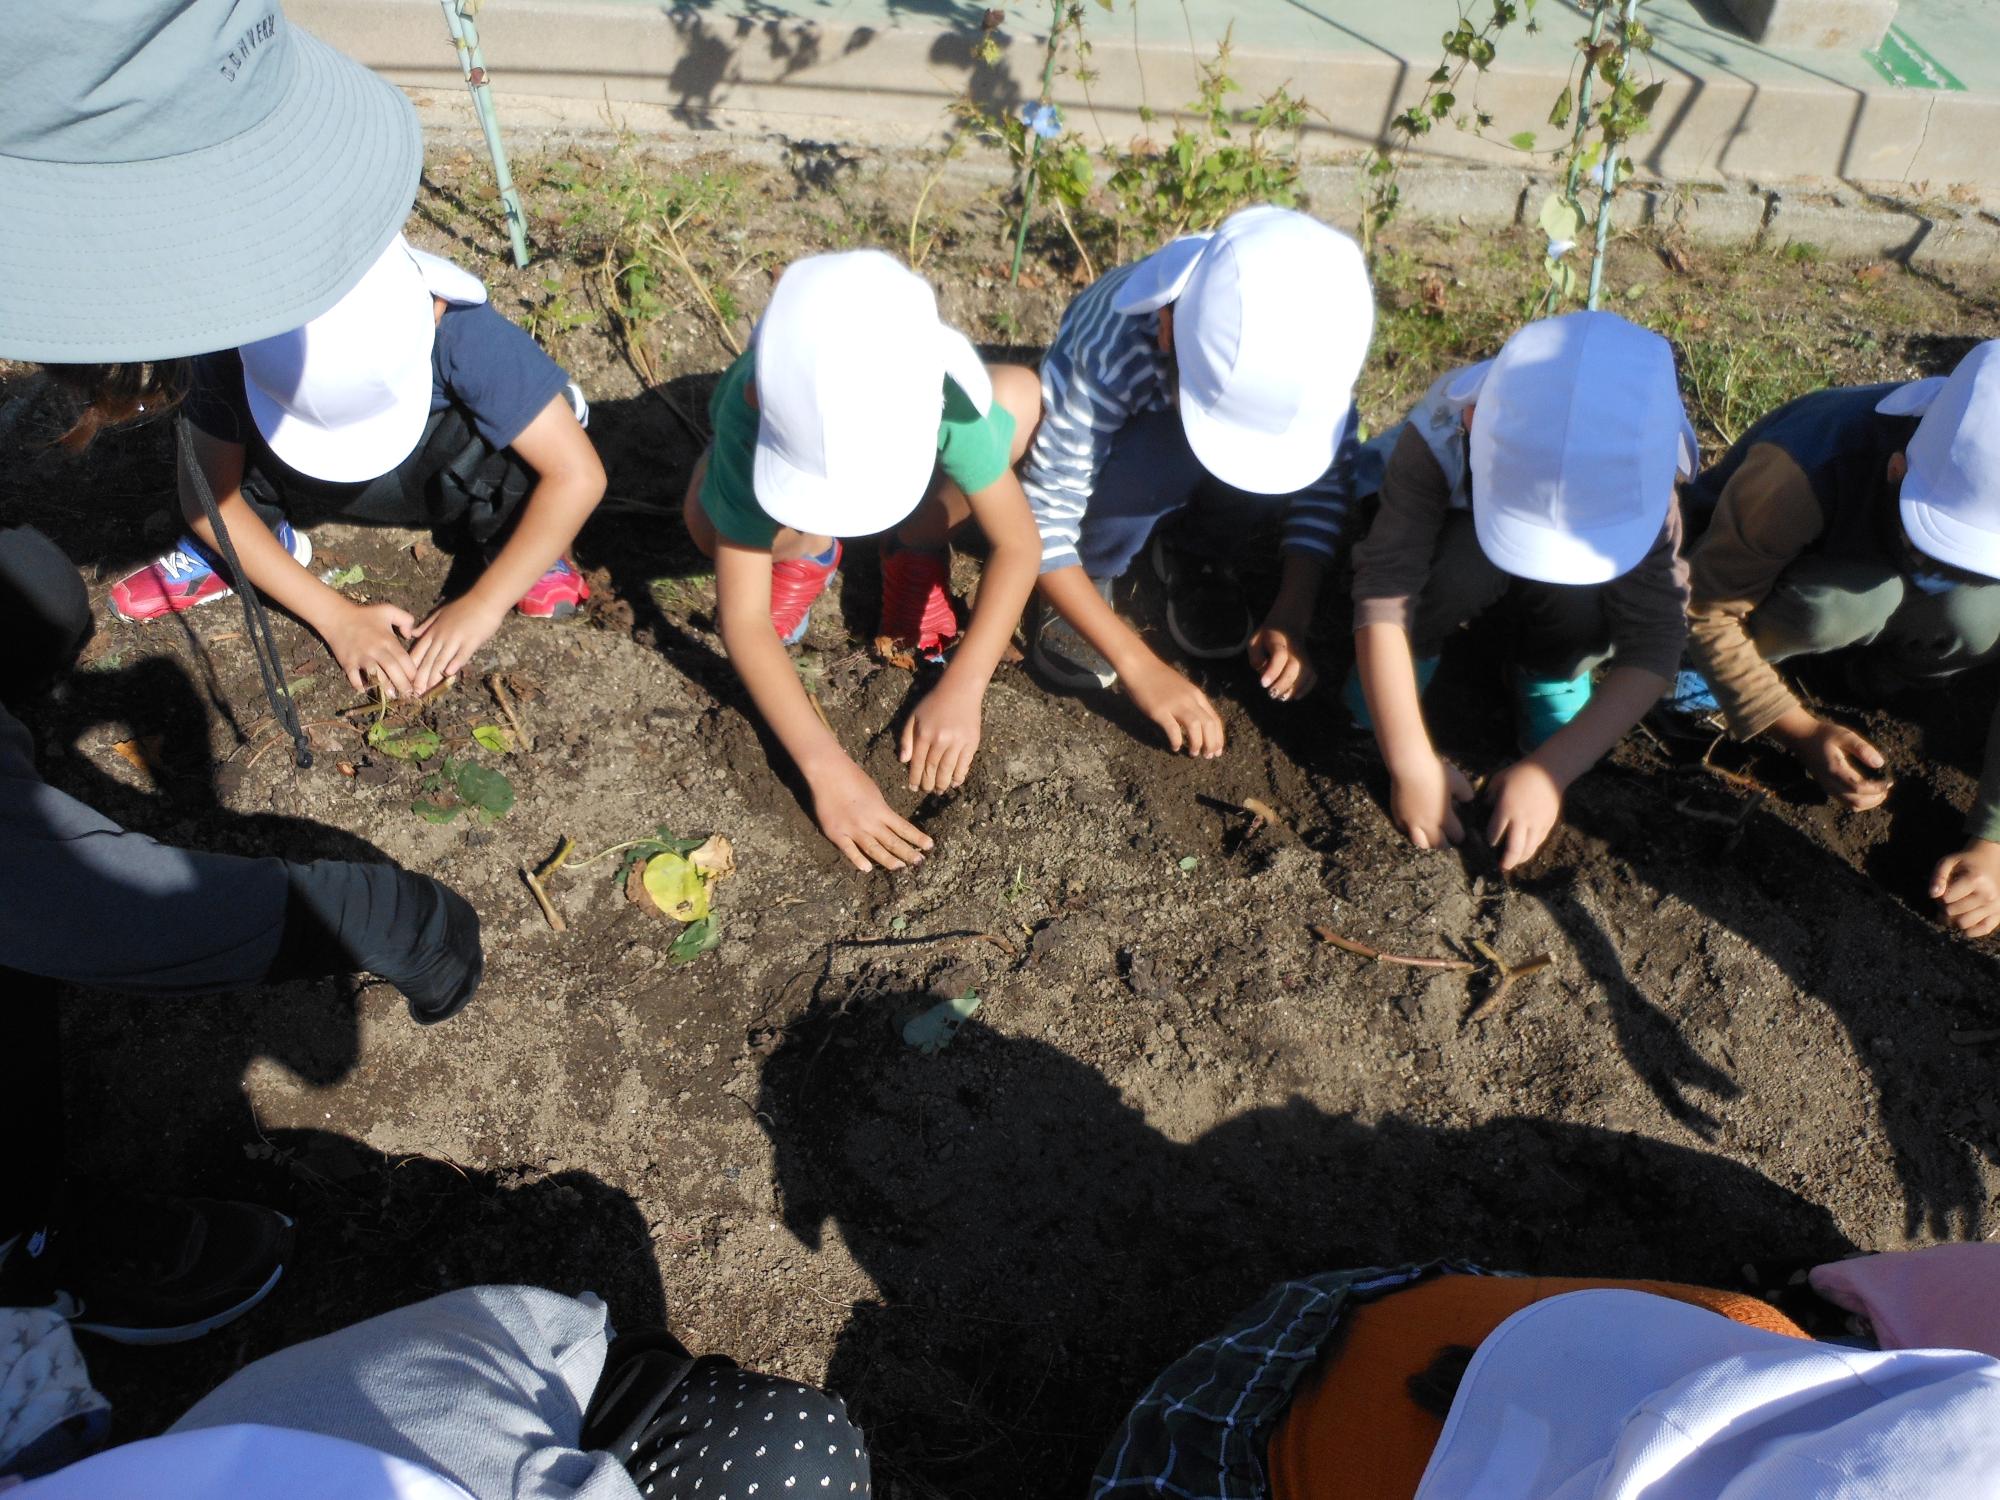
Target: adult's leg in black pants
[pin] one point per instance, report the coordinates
(86, 902)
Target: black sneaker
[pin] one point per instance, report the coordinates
(1062, 656)
(155, 1271)
(1207, 614)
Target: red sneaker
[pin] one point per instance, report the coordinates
(795, 587)
(916, 606)
(557, 594)
(180, 580)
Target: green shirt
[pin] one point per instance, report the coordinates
(973, 450)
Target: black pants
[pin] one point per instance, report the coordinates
(44, 619)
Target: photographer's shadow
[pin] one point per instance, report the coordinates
(1042, 1249)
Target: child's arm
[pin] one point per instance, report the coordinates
(942, 734)
(1423, 788)
(1527, 796)
(362, 637)
(1163, 695)
(569, 481)
(847, 804)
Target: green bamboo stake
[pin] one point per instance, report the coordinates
(1608, 183)
(458, 15)
(1035, 143)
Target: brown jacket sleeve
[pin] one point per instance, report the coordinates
(1646, 607)
(1766, 517)
(1392, 563)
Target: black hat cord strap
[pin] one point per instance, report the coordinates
(256, 619)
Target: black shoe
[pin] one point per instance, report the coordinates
(154, 1271)
(1207, 614)
(1063, 657)
(418, 934)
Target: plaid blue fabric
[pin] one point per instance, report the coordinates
(1200, 1431)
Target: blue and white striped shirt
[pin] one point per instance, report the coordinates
(1104, 368)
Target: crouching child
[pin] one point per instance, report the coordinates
(1540, 483)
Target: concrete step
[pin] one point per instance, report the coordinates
(883, 73)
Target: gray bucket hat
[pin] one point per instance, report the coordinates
(184, 176)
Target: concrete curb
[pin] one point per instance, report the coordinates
(1842, 223)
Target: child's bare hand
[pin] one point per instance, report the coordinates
(1527, 803)
(860, 824)
(444, 643)
(941, 738)
(1423, 800)
(1840, 761)
(364, 641)
(1278, 654)
(1178, 707)
(1967, 886)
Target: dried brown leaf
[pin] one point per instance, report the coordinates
(716, 859)
(143, 751)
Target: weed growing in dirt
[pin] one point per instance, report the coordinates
(630, 227)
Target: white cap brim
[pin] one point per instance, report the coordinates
(1267, 463)
(1943, 536)
(847, 505)
(1546, 554)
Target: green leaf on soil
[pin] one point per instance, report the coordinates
(347, 577)
(434, 812)
(695, 939)
(676, 887)
(1523, 140)
(897, 924)
(1187, 863)
(414, 743)
(930, 1031)
(492, 737)
(485, 790)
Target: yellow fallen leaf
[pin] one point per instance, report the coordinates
(143, 752)
(716, 859)
(676, 887)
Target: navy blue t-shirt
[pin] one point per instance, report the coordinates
(489, 367)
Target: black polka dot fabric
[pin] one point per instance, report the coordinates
(733, 1434)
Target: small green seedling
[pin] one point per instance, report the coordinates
(930, 1031)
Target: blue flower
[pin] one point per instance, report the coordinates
(1045, 120)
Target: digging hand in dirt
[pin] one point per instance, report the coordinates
(1967, 886)
(860, 824)
(1277, 652)
(1837, 758)
(941, 737)
(1423, 798)
(363, 639)
(1178, 707)
(1527, 804)
(443, 644)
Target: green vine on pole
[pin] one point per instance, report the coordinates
(1601, 109)
(1464, 46)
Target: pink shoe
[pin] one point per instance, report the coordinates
(184, 578)
(557, 594)
(916, 608)
(795, 587)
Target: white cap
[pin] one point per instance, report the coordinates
(1951, 495)
(1272, 317)
(851, 365)
(244, 1461)
(1622, 1395)
(1577, 436)
(346, 396)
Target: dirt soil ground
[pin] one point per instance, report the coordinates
(1754, 1044)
